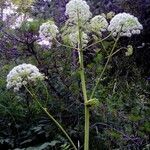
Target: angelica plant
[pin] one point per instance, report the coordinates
(79, 27)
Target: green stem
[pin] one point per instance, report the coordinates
(86, 109)
(83, 83)
(56, 122)
(67, 46)
(103, 46)
(52, 118)
(99, 41)
(100, 77)
(122, 48)
(86, 134)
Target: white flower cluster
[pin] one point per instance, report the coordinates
(78, 8)
(19, 19)
(10, 15)
(124, 24)
(22, 75)
(74, 39)
(98, 24)
(8, 10)
(47, 32)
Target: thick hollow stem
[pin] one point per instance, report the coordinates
(83, 84)
(86, 130)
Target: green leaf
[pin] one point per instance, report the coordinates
(134, 118)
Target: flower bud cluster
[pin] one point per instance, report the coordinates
(22, 75)
(47, 32)
(124, 24)
(98, 24)
(78, 9)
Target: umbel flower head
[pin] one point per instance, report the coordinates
(124, 24)
(98, 24)
(74, 39)
(22, 75)
(78, 8)
(47, 32)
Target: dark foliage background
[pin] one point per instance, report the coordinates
(122, 119)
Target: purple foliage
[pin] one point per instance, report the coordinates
(60, 11)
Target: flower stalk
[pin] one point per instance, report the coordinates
(103, 71)
(51, 117)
